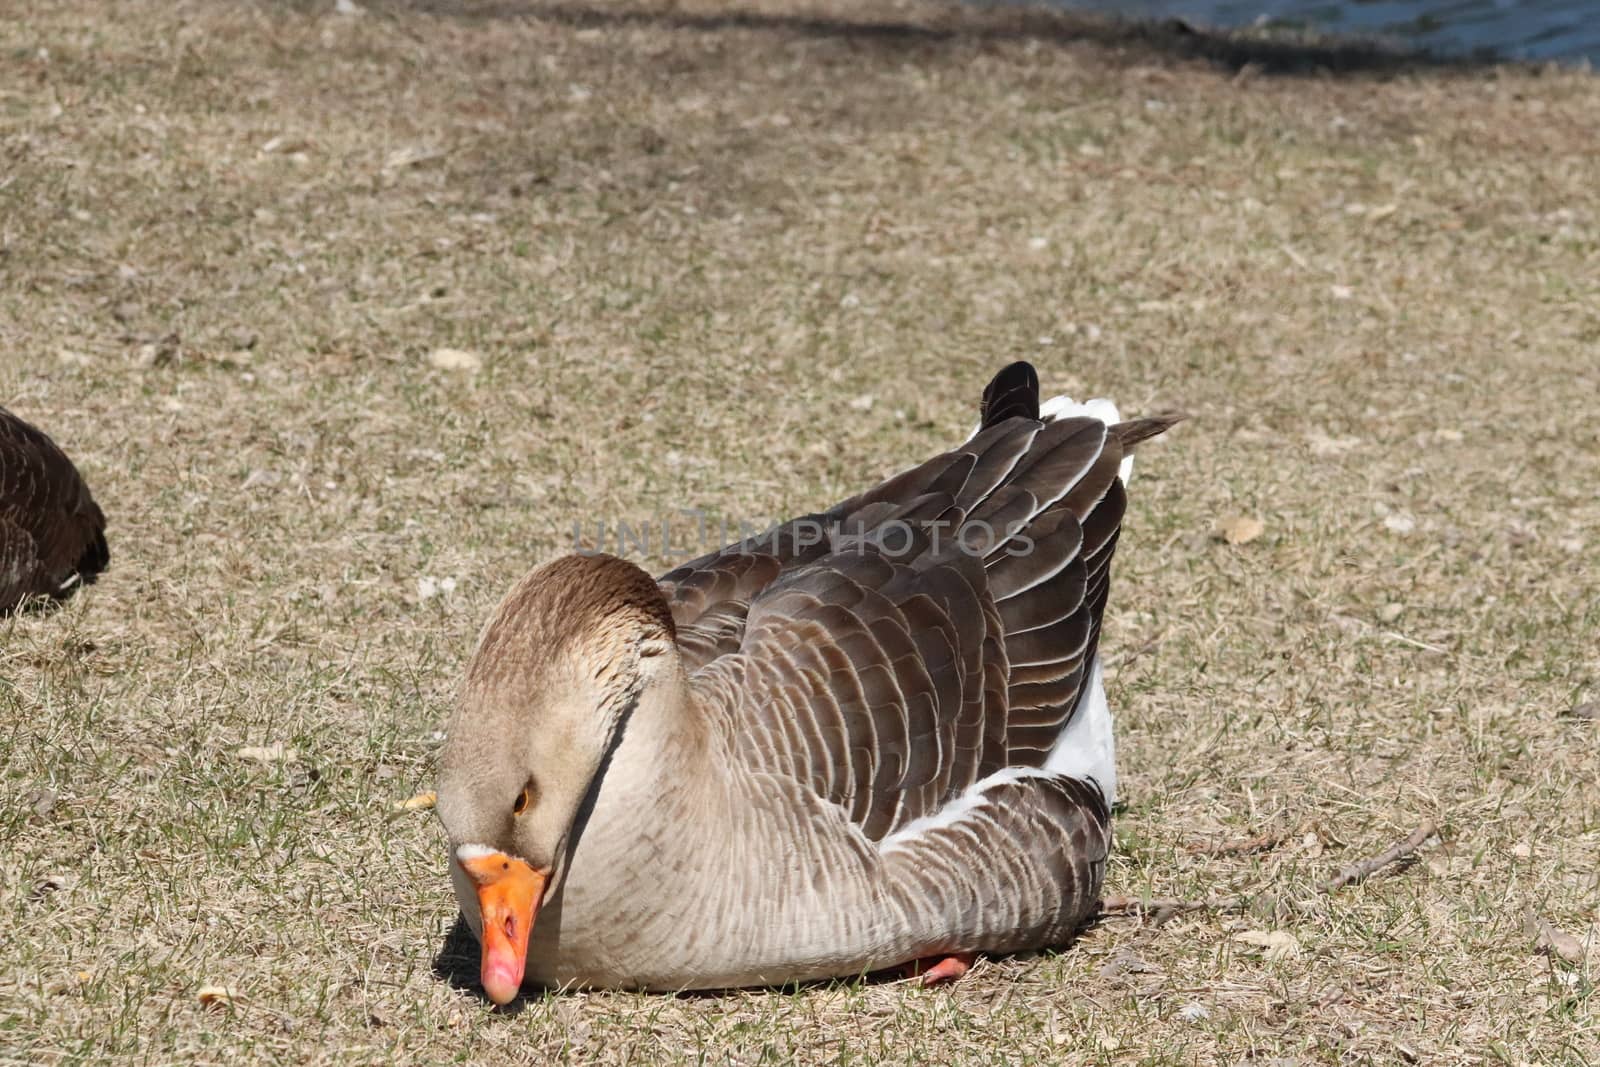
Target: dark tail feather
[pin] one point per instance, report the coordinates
(1133, 431)
(1014, 392)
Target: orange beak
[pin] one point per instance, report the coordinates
(509, 892)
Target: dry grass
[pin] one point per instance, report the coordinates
(683, 244)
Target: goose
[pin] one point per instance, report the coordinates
(872, 737)
(52, 533)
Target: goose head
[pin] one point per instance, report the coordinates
(572, 652)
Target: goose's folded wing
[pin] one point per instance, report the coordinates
(943, 630)
(709, 596)
(869, 679)
(19, 564)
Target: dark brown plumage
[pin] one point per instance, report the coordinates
(945, 621)
(52, 533)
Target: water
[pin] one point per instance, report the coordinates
(1567, 30)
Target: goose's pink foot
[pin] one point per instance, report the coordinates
(938, 970)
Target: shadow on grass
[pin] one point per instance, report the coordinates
(1275, 52)
(456, 964)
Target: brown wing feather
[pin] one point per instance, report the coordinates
(889, 666)
(52, 533)
(876, 667)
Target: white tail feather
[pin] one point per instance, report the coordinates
(1064, 407)
(1087, 748)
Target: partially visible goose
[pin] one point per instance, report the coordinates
(52, 534)
(869, 737)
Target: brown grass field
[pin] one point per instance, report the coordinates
(749, 259)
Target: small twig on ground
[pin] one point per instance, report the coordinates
(1160, 911)
(1133, 654)
(1261, 843)
(1357, 872)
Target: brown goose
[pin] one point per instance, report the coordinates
(869, 737)
(52, 533)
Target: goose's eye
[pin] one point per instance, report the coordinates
(524, 798)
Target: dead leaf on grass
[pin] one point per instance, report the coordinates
(276, 752)
(50, 883)
(1125, 961)
(1277, 944)
(260, 477)
(420, 802)
(1239, 529)
(42, 801)
(1588, 711)
(1553, 941)
(411, 156)
(285, 144)
(455, 359)
(1400, 523)
(216, 997)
